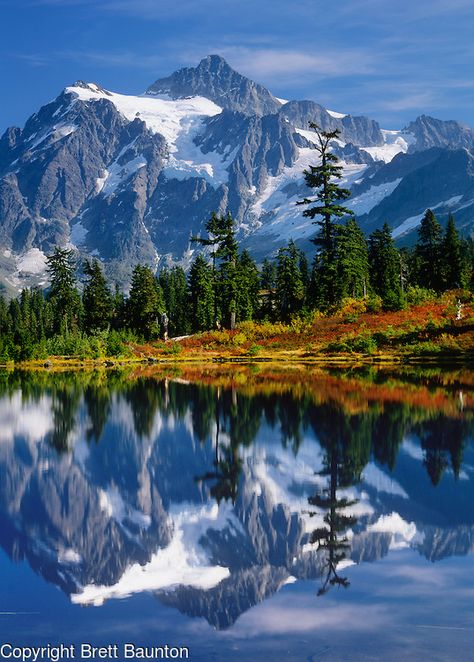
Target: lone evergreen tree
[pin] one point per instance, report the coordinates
(326, 205)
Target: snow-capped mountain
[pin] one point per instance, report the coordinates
(130, 178)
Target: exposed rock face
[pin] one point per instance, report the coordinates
(356, 130)
(214, 79)
(430, 132)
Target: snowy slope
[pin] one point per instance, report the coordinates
(178, 121)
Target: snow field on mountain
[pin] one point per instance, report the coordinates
(395, 143)
(366, 201)
(179, 122)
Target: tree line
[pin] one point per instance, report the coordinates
(225, 286)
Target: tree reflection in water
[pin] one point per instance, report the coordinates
(331, 539)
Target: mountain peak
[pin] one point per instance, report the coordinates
(213, 61)
(215, 79)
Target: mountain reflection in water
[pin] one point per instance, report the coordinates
(214, 496)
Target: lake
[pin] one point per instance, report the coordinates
(246, 512)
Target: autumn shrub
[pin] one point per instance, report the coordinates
(239, 339)
(416, 295)
(374, 303)
(351, 309)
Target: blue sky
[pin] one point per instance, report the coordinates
(389, 60)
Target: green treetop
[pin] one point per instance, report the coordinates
(326, 206)
(428, 252)
(63, 294)
(453, 262)
(97, 299)
(145, 304)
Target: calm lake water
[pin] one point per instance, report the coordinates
(258, 515)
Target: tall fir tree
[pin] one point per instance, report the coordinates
(96, 298)
(453, 264)
(63, 294)
(385, 276)
(290, 291)
(145, 303)
(202, 295)
(248, 287)
(267, 306)
(428, 253)
(326, 205)
(175, 292)
(221, 237)
(352, 261)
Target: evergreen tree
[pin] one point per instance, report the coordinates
(202, 295)
(268, 285)
(96, 298)
(145, 304)
(352, 260)
(221, 236)
(175, 292)
(453, 266)
(119, 309)
(428, 253)
(248, 287)
(63, 294)
(326, 205)
(290, 293)
(384, 260)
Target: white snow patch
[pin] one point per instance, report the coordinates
(282, 101)
(32, 262)
(394, 143)
(100, 181)
(333, 113)
(117, 174)
(345, 563)
(183, 562)
(69, 556)
(366, 201)
(290, 580)
(56, 133)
